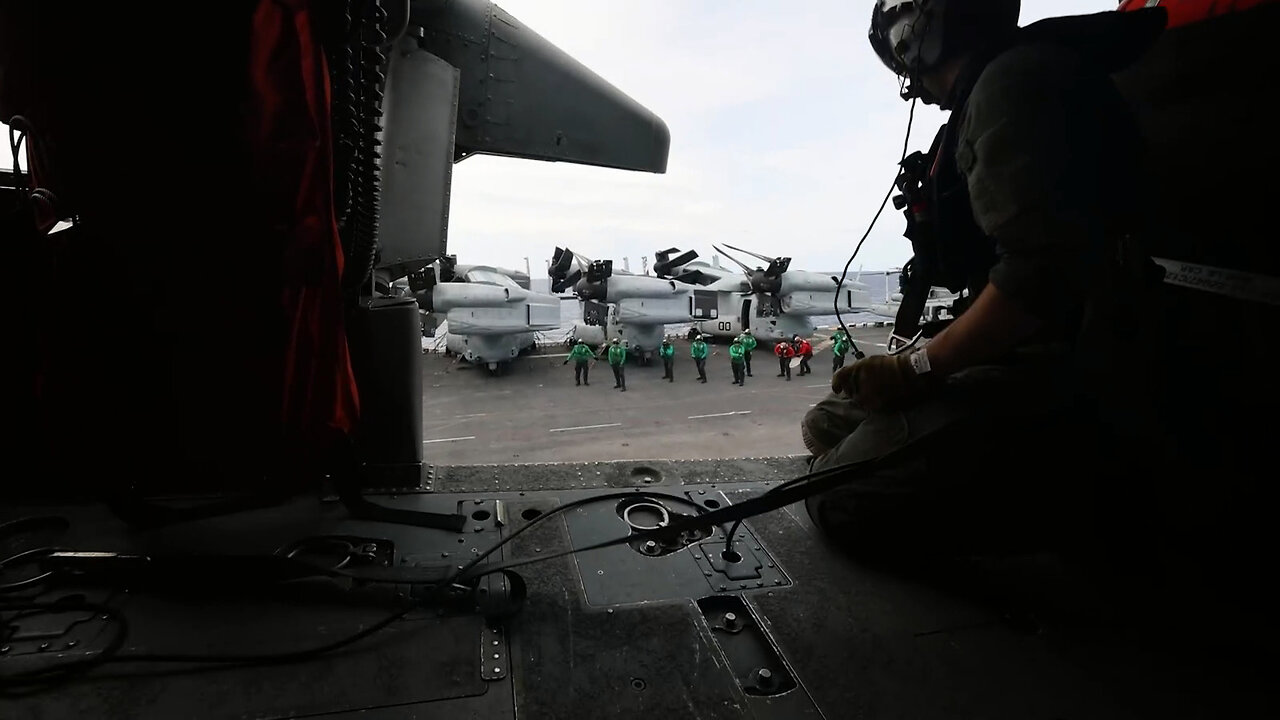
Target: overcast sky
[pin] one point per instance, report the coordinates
(785, 134)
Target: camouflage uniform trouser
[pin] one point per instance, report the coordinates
(956, 494)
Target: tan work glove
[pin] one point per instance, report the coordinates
(879, 382)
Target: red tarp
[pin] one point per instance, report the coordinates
(1182, 12)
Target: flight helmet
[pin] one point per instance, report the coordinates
(914, 37)
(617, 340)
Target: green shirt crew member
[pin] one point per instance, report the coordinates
(839, 348)
(737, 362)
(617, 362)
(581, 356)
(748, 344)
(668, 354)
(698, 351)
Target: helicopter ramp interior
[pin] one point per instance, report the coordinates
(793, 629)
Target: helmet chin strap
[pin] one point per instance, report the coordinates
(915, 89)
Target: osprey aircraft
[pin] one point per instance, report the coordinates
(936, 306)
(241, 481)
(619, 304)
(774, 301)
(492, 316)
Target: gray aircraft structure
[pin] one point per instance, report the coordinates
(619, 304)
(774, 302)
(138, 582)
(490, 314)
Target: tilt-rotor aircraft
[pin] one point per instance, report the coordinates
(619, 304)
(773, 300)
(222, 504)
(490, 314)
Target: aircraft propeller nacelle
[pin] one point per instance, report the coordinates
(664, 263)
(763, 283)
(562, 271)
(447, 296)
(593, 284)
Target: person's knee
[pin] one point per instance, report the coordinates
(811, 443)
(818, 431)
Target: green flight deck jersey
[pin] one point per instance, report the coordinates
(748, 341)
(581, 353)
(667, 351)
(698, 350)
(617, 355)
(736, 353)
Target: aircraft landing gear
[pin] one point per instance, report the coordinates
(498, 369)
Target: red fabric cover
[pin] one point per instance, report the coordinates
(189, 332)
(290, 137)
(1183, 12)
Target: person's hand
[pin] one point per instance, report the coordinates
(879, 382)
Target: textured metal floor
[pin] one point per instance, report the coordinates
(617, 633)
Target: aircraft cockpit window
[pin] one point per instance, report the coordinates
(490, 277)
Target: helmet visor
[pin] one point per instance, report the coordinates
(893, 34)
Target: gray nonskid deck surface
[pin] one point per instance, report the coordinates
(536, 414)
(619, 473)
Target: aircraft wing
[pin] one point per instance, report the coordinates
(508, 73)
